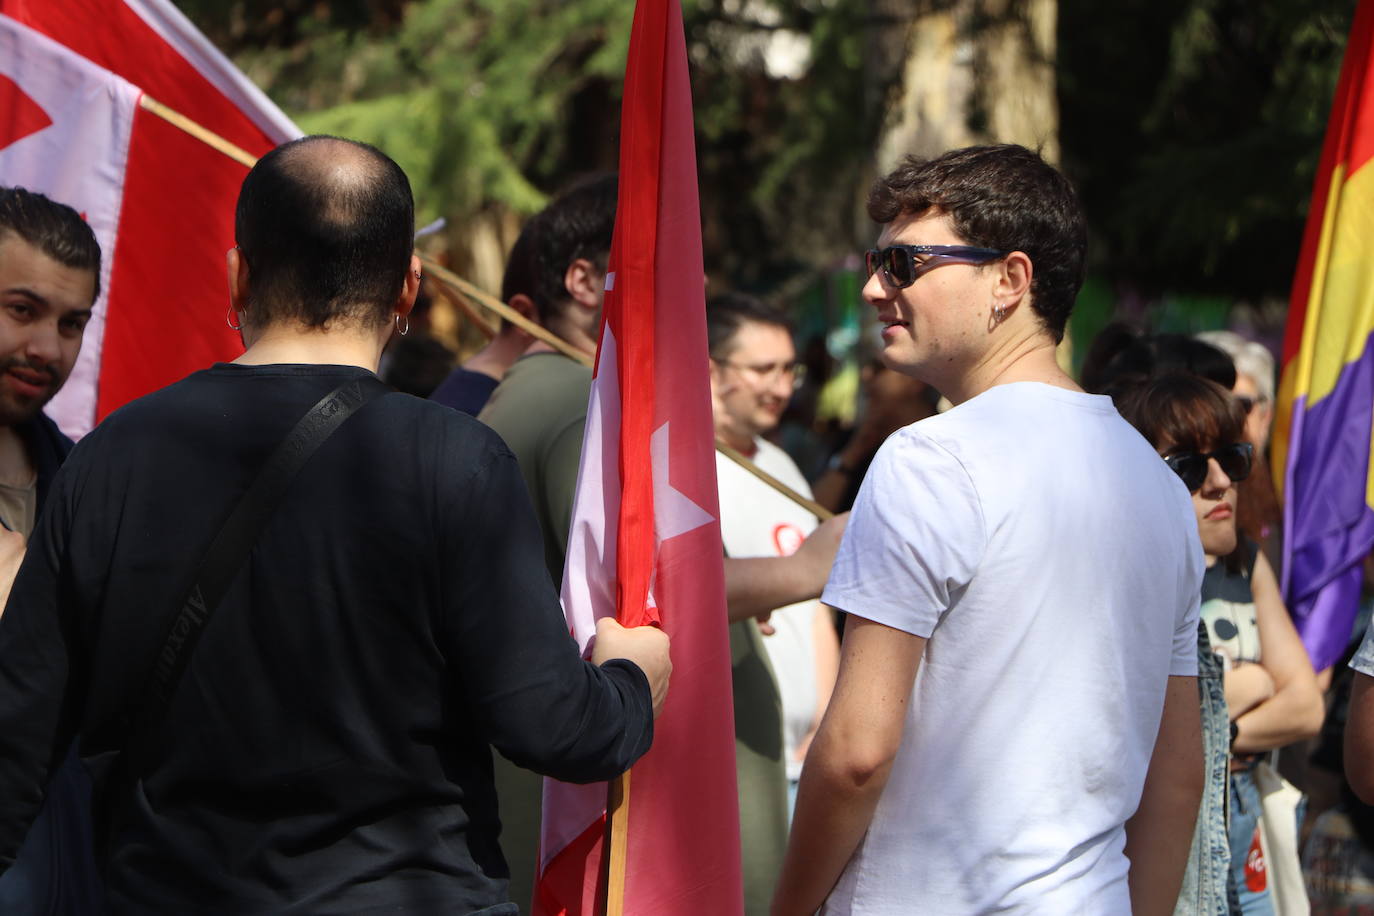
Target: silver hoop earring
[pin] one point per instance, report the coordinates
(999, 312)
(402, 329)
(228, 319)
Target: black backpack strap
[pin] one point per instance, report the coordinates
(232, 545)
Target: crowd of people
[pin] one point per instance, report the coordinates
(1042, 665)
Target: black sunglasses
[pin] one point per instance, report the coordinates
(901, 268)
(1191, 467)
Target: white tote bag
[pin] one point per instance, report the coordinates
(1279, 837)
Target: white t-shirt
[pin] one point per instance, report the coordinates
(1052, 561)
(758, 521)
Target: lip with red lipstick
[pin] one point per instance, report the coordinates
(1220, 511)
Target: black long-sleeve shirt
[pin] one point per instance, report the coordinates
(326, 749)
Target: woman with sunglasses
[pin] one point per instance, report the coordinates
(1271, 693)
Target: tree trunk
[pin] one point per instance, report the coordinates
(976, 71)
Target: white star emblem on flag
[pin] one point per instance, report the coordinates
(674, 512)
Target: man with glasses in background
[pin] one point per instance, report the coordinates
(782, 672)
(1015, 726)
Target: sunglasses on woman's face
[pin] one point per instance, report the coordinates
(1192, 466)
(903, 265)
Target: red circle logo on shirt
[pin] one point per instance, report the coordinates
(1255, 877)
(787, 537)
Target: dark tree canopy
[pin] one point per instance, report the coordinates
(1192, 127)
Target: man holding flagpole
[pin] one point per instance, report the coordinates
(303, 724)
(540, 409)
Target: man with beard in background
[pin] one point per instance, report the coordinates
(49, 280)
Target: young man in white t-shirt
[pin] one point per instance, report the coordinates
(1015, 726)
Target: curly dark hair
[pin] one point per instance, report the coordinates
(1004, 197)
(579, 223)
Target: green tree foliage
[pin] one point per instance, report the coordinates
(783, 159)
(495, 104)
(1193, 129)
(477, 99)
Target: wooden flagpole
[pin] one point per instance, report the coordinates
(208, 137)
(618, 798)
(810, 505)
(491, 303)
(496, 305)
(448, 277)
(461, 303)
(618, 843)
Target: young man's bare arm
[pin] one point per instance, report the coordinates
(1160, 833)
(849, 761)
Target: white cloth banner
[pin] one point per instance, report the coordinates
(78, 159)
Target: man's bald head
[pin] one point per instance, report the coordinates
(327, 227)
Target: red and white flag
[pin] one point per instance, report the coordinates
(645, 540)
(160, 201)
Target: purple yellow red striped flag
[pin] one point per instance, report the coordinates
(1324, 428)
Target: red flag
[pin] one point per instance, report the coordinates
(168, 198)
(645, 540)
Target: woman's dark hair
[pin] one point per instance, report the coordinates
(1121, 357)
(1182, 411)
(1185, 412)
(1005, 197)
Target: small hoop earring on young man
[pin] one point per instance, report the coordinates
(229, 319)
(402, 329)
(999, 312)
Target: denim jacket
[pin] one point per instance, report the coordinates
(1209, 861)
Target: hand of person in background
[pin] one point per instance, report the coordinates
(12, 548)
(647, 647)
